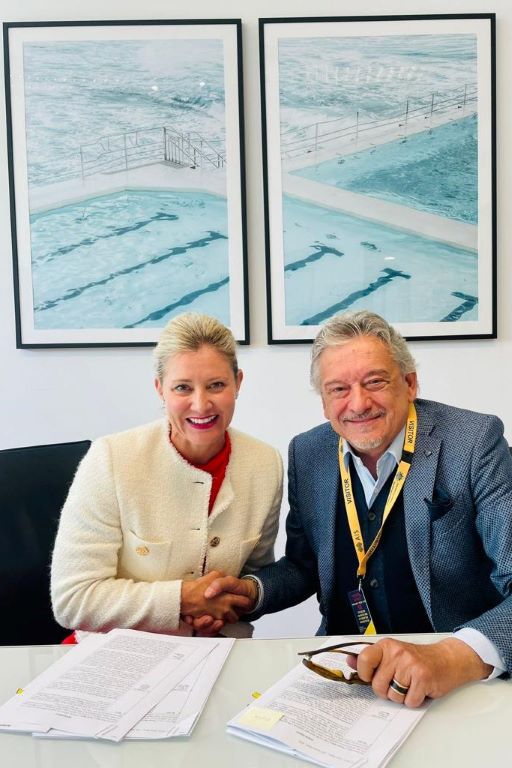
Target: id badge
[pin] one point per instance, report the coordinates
(361, 612)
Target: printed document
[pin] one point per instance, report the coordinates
(177, 714)
(104, 686)
(329, 723)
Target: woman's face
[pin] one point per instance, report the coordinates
(198, 390)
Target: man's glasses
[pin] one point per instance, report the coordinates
(329, 673)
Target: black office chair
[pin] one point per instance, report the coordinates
(34, 483)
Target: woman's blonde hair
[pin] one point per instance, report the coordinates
(189, 332)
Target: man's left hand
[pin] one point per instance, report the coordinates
(421, 670)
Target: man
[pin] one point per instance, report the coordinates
(419, 547)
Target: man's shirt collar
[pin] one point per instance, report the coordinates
(394, 450)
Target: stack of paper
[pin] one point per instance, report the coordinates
(124, 684)
(329, 723)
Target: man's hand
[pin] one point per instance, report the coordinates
(230, 584)
(218, 587)
(221, 605)
(424, 670)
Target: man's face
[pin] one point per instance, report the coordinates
(365, 395)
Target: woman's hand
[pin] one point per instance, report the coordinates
(225, 606)
(222, 586)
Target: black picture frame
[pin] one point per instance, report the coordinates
(379, 154)
(127, 178)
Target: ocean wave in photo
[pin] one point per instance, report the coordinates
(78, 92)
(326, 78)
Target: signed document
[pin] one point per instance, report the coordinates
(326, 722)
(105, 686)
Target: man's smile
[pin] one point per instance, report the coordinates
(363, 419)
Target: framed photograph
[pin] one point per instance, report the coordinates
(380, 173)
(126, 163)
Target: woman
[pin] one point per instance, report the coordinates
(154, 513)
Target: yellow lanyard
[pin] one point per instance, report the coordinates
(394, 491)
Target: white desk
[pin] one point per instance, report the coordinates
(470, 728)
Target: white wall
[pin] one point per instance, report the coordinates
(56, 395)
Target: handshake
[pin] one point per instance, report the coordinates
(215, 599)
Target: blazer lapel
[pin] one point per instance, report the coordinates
(418, 487)
(224, 499)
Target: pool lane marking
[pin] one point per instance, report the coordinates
(158, 314)
(73, 293)
(468, 304)
(321, 250)
(390, 274)
(160, 216)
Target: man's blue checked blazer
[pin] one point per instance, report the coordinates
(458, 520)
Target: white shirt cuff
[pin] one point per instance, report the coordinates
(484, 647)
(260, 590)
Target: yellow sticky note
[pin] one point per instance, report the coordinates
(261, 718)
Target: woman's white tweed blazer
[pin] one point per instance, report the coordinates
(136, 523)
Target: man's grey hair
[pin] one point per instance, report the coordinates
(341, 328)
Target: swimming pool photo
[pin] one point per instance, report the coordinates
(127, 170)
(380, 180)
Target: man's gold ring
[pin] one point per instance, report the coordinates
(398, 687)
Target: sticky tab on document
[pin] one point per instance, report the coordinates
(261, 718)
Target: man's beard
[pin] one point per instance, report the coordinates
(366, 445)
(361, 443)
